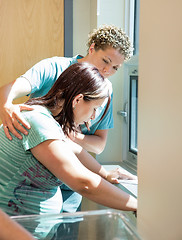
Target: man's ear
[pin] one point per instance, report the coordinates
(76, 100)
(91, 48)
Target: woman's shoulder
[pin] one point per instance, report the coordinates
(40, 117)
(43, 125)
(37, 110)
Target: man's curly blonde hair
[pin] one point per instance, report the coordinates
(111, 36)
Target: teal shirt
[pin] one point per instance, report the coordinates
(26, 186)
(43, 75)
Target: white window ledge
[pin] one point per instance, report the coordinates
(129, 186)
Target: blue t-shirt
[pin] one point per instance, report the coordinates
(43, 75)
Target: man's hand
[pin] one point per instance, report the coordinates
(11, 119)
(73, 135)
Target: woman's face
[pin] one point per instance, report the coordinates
(107, 61)
(85, 110)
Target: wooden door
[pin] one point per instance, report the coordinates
(30, 30)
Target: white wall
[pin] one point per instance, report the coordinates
(81, 26)
(112, 12)
(160, 120)
(87, 15)
(84, 20)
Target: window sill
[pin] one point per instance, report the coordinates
(128, 186)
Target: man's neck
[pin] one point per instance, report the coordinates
(84, 59)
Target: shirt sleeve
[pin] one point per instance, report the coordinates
(43, 75)
(43, 127)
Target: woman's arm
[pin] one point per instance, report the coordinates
(91, 163)
(9, 113)
(9, 229)
(57, 156)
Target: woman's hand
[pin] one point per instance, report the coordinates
(11, 119)
(117, 174)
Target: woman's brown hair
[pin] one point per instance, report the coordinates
(79, 78)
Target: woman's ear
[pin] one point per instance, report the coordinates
(91, 48)
(77, 100)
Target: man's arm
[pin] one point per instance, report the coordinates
(93, 165)
(93, 143)
(9, 113)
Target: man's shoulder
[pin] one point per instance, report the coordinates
(63, 62)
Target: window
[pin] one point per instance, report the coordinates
(133, 110)
(131, 113)
(132, 22)
(130, 110)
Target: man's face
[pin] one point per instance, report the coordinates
(107, 61)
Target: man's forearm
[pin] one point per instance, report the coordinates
(10, 113)
(92, 143)
(4, 94)
(19, 88)
(91, 163)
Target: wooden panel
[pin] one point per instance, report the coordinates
(30, 30)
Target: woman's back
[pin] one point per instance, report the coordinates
(26, 186)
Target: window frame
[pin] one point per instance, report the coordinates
(130, 71)
(128, 157)
(133, 112)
